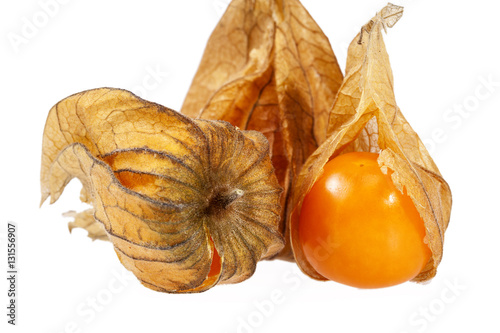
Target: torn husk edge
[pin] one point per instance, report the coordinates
(365, 117)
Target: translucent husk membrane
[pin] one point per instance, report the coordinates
(365, 117)
(170, 191)
(162, 186)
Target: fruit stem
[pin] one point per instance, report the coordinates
(233, 196)
(221, 199)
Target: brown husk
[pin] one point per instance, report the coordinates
(365, 117)
(269, 67)
(161, 185)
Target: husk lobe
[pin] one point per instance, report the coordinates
(268, 67)
(163, 186)
(365, 117)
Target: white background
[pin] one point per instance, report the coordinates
(442, 53)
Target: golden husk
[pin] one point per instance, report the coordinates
(162, 185)
(268, 67)
(365, 117)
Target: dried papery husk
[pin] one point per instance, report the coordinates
(268, 67)
(365, 117)
(165, 188)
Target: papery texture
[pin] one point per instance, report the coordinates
(365, 117)
(269, 67)
(165, 187)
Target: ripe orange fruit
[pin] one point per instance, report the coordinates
(215, 267)
(358, 229)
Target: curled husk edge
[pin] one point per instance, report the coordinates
(166, 189)
(365, 117)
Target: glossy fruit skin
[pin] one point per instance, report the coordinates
(216, 265)
(358, 229)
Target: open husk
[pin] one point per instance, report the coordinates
(268, 67)
(165, 189)
(365, 117)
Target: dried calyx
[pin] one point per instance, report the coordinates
(172, 194)
(365, 117)
(269, 67)
(191, 203)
